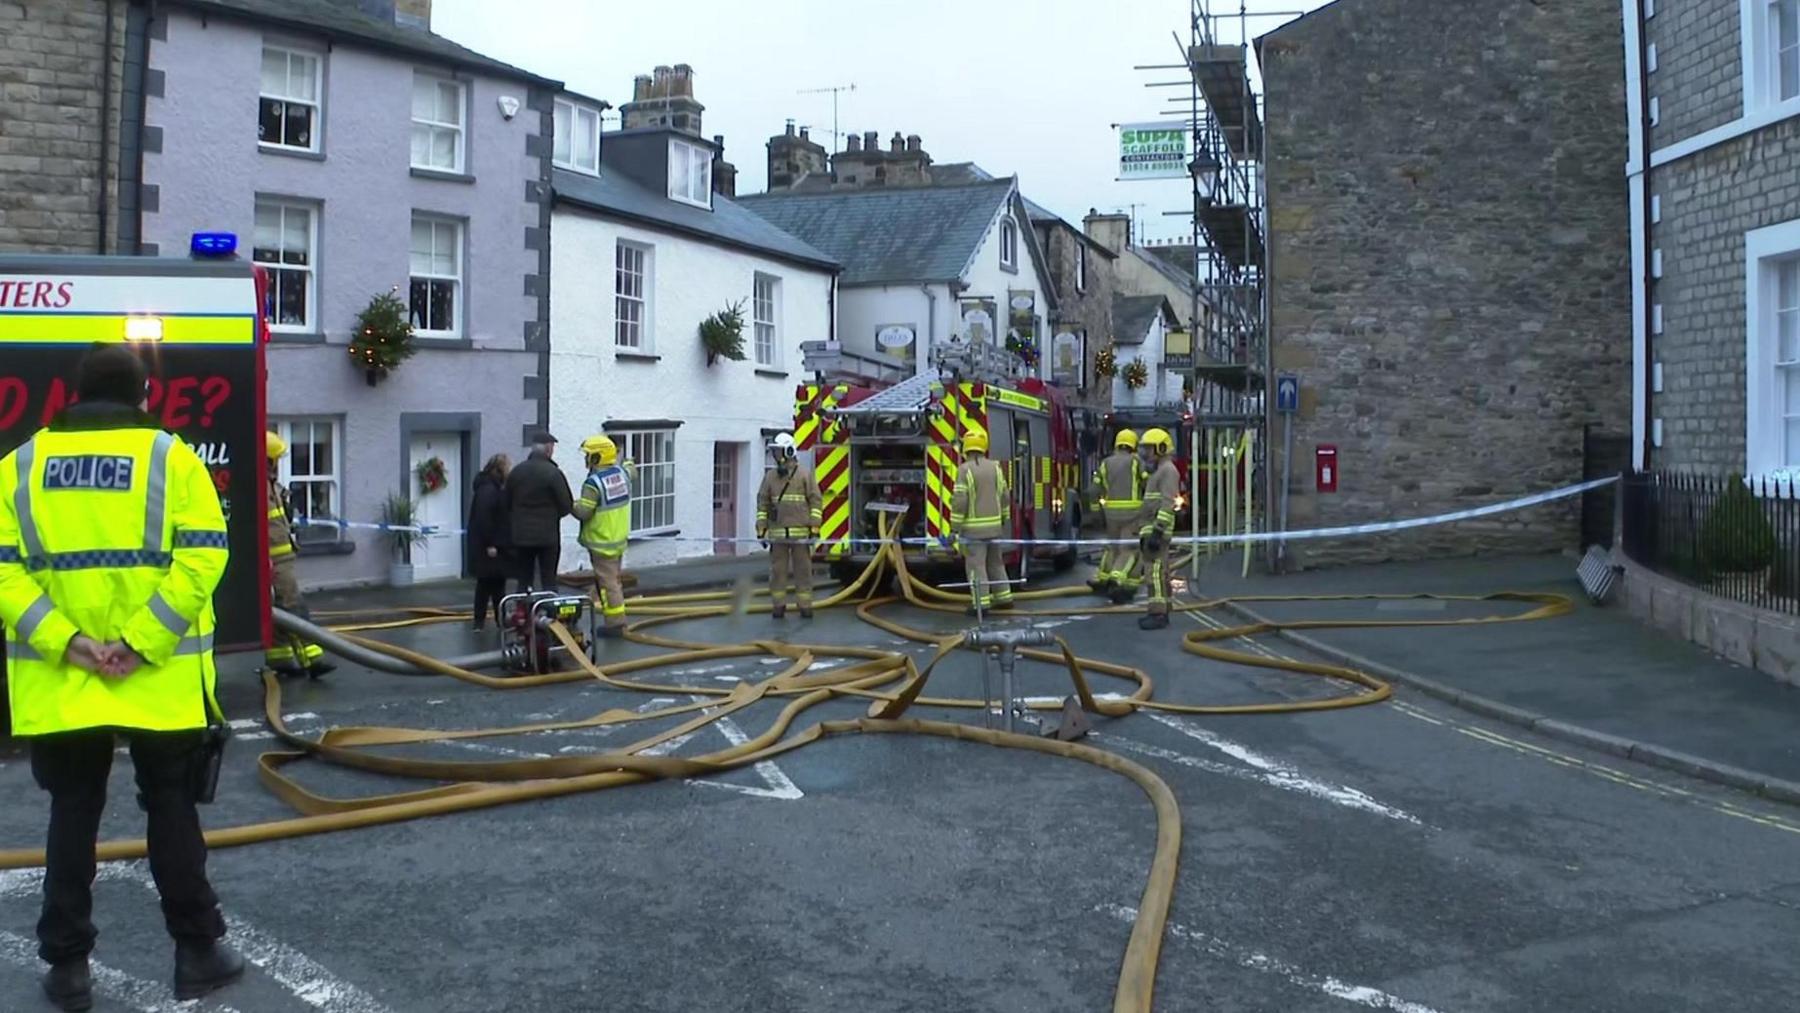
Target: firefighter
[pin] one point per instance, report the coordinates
(980, 512)
(789, 513)
(1120, 479)
(112, 543)
(1156, 524)
(290, 654)
(604, 511)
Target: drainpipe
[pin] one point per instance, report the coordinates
(922, 356)
(106, 79)
(1637, 179)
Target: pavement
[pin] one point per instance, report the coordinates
(1409, 856)
(1598, 677)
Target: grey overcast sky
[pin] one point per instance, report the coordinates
(1030, 87)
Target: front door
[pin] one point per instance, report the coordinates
(439, 557)
(725, 497)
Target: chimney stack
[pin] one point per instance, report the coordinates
(793, 157)
(913, 143)
(898, 144)
(871, 140)
(790, 128)
(663, 98)
(724, 174)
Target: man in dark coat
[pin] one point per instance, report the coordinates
(538, 498)
(490, 539)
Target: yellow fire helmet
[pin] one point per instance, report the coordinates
(1158, 441)
(975, 442)
(277, 446)
(601, 446)
(1126, 440)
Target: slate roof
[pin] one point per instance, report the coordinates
(342, 19)
(903, 235)
(727, 223)
(1132, 315)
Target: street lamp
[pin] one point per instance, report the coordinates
(1206, 172)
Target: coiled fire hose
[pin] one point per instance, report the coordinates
(872, 674)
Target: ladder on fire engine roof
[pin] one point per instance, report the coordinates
(908, 397)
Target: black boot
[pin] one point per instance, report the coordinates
(202, 968)
(1100, 586)
(1154, 621)
(68, 986)
(778, 611)
(806, 611)
(1123, 595)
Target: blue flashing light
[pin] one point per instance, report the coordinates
(213, 244)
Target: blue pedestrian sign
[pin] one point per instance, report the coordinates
(1287, 393)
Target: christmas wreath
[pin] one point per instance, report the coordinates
(384, 336)
(431, 476)
(1106, 364)
(1136, 374)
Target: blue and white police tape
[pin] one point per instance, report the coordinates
(1237, 538)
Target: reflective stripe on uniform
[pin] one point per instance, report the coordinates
(197, 539)
(34, 615)
(28, 532)
(166, 614)
(156, 491)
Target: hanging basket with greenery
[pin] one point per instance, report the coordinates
(1106, 363)
(383, 338)
(722, 334)
(1136, 374)
(1022, 346)
(432, 476)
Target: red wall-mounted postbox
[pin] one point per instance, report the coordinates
(1326, 467)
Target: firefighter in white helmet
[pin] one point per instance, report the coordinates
(789, 513)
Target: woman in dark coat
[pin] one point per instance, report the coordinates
(490, 539)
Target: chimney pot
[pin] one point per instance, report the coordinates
(640, 87)
(855, 143)
(803, 131)
(872, 140)
(790, 128)
(913, 142)
(898, 143)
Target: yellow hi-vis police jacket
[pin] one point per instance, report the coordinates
(108, 527)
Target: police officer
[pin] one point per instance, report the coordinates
(1156, 524)
(789, 513)
(1120, 479)
(111, 544)
(979, 513)
(604, 511)
(290, 654)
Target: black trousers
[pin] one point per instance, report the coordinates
(488, 592)
(73, 767)
(537, 566)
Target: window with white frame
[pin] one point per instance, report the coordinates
(652, 452)
(1771, 52)
(437, 123)
(1080, 266)
(312, 473)
(1772, 347)
(577, 142)
(631, 295)
(1009, 244)
(690, 173)
(437, 275)
(283, 243)
(765, 315)
(288, 105)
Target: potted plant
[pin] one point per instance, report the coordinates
(1736, 543)
(401, 516)
(722, 334)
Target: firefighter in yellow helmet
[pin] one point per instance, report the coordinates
(290, 654)
(604, 511)
(112, 542)
(1156, 524)
(1120, 479)
(980, 512)
(789, 512)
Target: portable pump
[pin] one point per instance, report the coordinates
(526, 643)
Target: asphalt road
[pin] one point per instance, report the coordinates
(1396, 857)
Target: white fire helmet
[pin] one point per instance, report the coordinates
(784, 446)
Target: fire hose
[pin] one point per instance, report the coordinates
(892, 681)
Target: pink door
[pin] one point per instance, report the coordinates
(725, 525)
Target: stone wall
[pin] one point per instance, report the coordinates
(1088, 308)
(1698, 83)
(52, 60)
(1449, 274)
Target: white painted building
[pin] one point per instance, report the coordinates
(922, 263)
(642, 252)
(1141, 327)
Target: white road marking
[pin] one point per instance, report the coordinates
(1362, 995)
(1281, 775)
(129, 990)
(779, 785)
(306, 978)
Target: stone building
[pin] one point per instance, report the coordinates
(69, 118)
(1713, 160)
(1448, 264)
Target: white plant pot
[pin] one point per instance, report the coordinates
(400, 574)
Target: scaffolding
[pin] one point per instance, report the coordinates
(1227, 260)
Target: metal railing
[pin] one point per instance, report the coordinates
(1730, 537)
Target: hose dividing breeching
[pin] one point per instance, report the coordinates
(891, 681)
